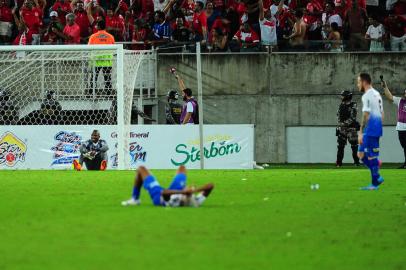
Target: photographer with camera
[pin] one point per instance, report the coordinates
(400, 102)
(55, 26)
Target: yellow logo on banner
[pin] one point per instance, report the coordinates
(12, 149)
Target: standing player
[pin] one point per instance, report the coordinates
(347, 128)
(371, 129)
(176, 195)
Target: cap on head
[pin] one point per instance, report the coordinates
(50, 94)
(347, 95)
(172, 94)
(53, 14)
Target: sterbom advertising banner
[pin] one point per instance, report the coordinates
(155, 146)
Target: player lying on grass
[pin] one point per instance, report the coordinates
(178, 194)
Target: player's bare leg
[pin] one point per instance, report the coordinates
(141, 173)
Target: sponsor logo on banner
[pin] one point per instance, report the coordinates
(113, 158)
(12, 150)
(220, 147)
(136, 150)
(137, 153)
(66, 148)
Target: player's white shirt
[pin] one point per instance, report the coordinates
(268, 31)
(376, 32)
(399, 126)
(372, 103)
(178, 200)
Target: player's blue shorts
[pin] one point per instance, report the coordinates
(154, 189)
(178, 182)
(370, 146)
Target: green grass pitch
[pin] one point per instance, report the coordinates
(270, 220)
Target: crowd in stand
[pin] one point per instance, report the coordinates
(220, 25)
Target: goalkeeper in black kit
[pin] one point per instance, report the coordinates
(93, 153)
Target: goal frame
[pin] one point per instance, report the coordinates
(119, 50)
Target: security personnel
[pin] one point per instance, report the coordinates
(347, 128)
(51, 110)
(8, 111)
(173, 108)
(104, 61)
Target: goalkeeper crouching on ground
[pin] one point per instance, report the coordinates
(178, 194)
(93, 153)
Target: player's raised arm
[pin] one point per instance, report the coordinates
(180, 81)
(387, 92)
(261, 10)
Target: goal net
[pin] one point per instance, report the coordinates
(71, 85)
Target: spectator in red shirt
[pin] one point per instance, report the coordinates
(395, 30)
(247, 38)
(199, 25)
(128, 26)
(83, 18)
(114, 24)
(31, 15)
(63, 8)
(139, 36)
(312, 17)
(24, 36)
(188, 6)
(6, 21)
(122, 7)
(71, 32)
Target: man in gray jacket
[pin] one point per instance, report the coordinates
(93, 153)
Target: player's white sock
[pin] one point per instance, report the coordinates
(130, 202)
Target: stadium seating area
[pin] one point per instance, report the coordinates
(221, 25)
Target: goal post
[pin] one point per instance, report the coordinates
(70, 85)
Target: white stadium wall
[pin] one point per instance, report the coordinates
(319, 145)
(155, 146)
